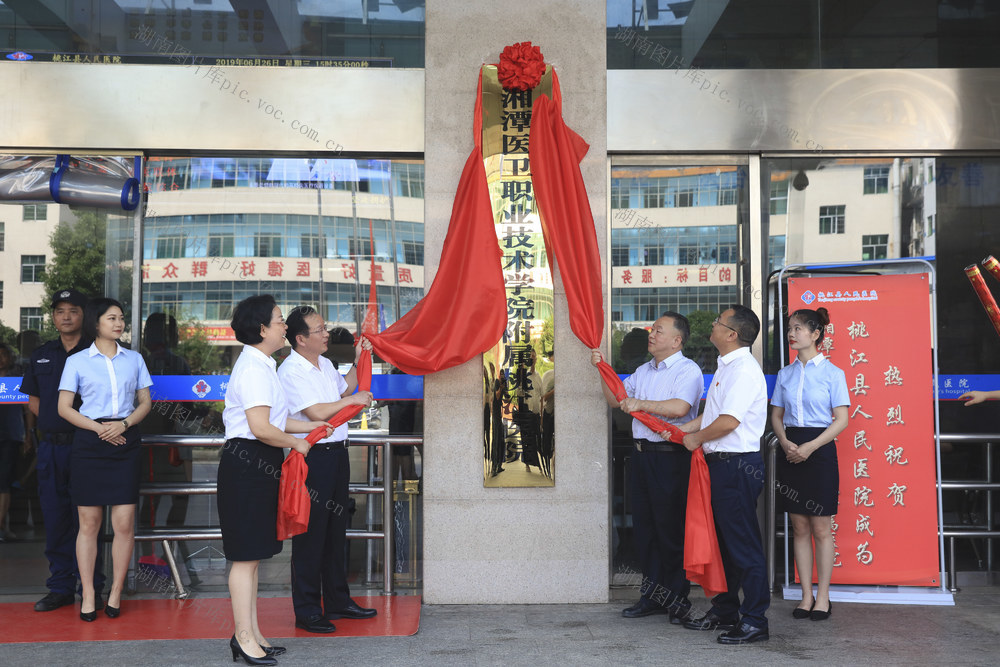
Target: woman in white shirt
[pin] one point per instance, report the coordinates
(256, 420)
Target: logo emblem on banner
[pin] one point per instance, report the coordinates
(201, 388)
(808, 297)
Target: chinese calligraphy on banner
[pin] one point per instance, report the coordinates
(513, 368)
(879, 334)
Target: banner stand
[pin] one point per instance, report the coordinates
(876, 594)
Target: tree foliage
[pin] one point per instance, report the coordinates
(78, 255)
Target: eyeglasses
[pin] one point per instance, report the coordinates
(718, 321)
(318, 331)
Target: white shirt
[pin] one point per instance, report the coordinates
(674, 377)
(738, 389)
(107, 387)
(306, 385)
(253, 383)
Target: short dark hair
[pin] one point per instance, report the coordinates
(296, 323)
(93, 312)
(680, 323)
(250, 315)
(746, 323)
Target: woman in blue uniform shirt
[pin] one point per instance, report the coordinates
(113, 385)
(810, 405)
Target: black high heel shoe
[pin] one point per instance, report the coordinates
(238, 653)
(88, 616)
(112, 612)
(273, 650)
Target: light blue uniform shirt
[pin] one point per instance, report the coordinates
(106, 386)
(674, 377)
(809, 392)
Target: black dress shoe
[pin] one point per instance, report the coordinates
(745, 634)
(113, 612)
(88, 616)
(315, 623)
(273, 650)
(53, 601)
(816, 615)
(679, 614)
(352, 610)
(643, 608)
(712, 621)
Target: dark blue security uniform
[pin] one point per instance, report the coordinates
(41, 379)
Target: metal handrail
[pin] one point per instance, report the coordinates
(361, 439)
(947, 532)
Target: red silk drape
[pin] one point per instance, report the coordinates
(555, 153)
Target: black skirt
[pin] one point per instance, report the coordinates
(813, 486)
(249, 475)
(104, 474)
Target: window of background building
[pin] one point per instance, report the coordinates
(874, 246)
(32, 268)
(35, 212)
(31, 319)
(831, 219)
(876, 180)
(779, 197)
(1, 294)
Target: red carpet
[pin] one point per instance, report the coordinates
(203, 618)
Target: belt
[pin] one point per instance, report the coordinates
(58, 437)
(643, 445)
(335, 445)
(723, 456)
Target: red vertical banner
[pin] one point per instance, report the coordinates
(879, 334)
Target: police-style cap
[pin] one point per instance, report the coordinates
(70, 296)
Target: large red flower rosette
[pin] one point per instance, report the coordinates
(521, 66)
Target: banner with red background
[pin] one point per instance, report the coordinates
(879, 334)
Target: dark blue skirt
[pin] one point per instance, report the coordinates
(104, 474)
(813, 486)
(249, 476)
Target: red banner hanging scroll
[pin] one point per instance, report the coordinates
(885, 531)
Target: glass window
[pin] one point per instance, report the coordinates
(773, 34)
(779, 196)
(874, 246)
(297, 34)
(876, 180)
(32, 268)
(31, 319)
(831, 219)
(35, 212)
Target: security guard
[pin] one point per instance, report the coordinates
(41, 384)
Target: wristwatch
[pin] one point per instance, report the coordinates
(125, 424)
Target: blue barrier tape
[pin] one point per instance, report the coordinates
(411, 387)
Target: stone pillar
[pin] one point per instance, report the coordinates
(531, 545)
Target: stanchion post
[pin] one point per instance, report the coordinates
(388, 526)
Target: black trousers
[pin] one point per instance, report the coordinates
(659, 483)
(737, 480)
(319, 565)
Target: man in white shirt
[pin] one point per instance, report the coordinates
(670, 386)
(729, 431)
(316, 391)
